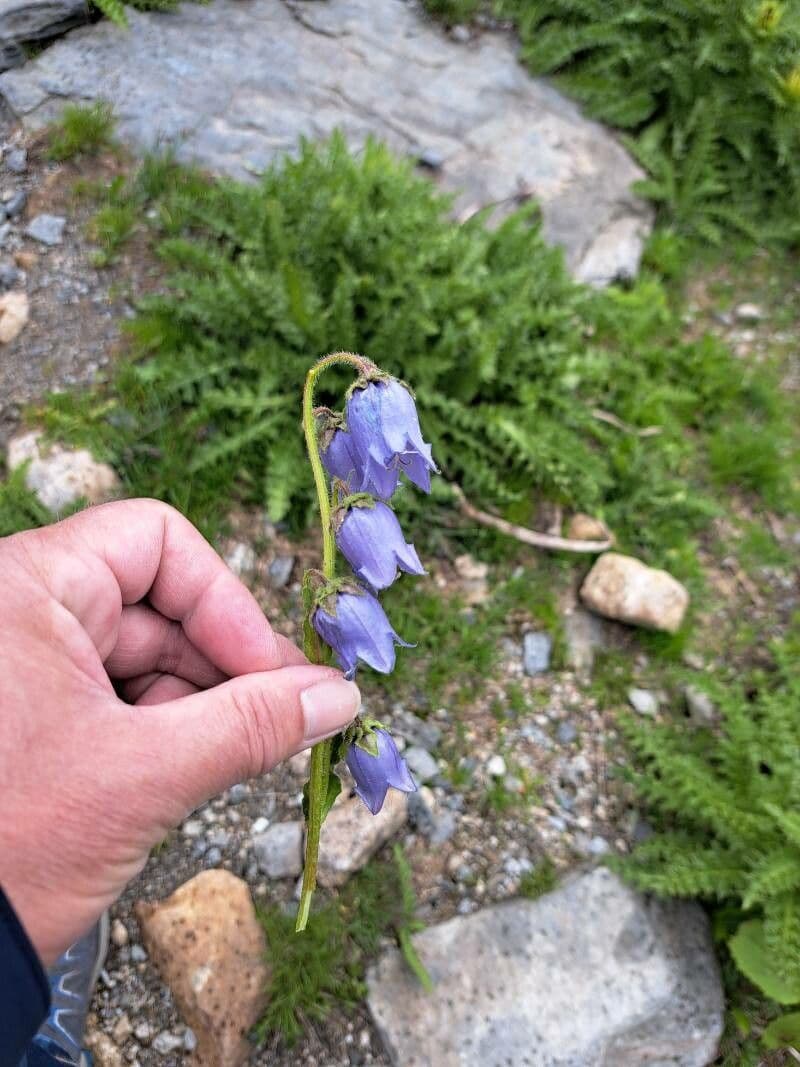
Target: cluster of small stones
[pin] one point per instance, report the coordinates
(58, 322)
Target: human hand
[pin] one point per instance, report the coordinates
(130, 595)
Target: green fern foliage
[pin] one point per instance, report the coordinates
(509, 358)
(709, 91)
(729, 804)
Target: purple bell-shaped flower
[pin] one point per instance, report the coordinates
(358, 629)
(340, 459)
(371, 540)
(384, 427)
(374, 774)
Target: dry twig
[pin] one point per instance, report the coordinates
(523, 534)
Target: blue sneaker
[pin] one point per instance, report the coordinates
(72, 982)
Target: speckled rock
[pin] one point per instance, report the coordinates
(233, 85)
(350, 835)
(209, 948)
(60, 476)
(591, 974)
(622, 587)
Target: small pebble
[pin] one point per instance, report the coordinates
(259, 825)
(47, 229)
(700, 706)
(138, 954)
(165, 1043)
(9, 275)
(17, 160)
(192, 828)
(219, 838)
(496, 766)
(421, 763)
(566, 733)
(749, 313)
(280, 571)
(122, 1030)
(142, 1032)
(16, 204)
(119, 933)
(212, 858)
(536, 649)
(643, 701)
(189, 1040)
(238, 793)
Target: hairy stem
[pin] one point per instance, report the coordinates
(321, 753)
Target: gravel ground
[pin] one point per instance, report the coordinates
(75, 309)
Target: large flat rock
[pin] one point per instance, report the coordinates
(237, 82)
(592, 974)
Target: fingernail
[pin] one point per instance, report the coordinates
(328, 707)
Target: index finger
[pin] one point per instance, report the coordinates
(152, 551)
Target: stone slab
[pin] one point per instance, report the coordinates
(236, 83)
(591, 974)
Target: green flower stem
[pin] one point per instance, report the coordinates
(321, 753)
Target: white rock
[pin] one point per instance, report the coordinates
(60, 476)
(166, 1043)
(241, 558)
(624, 588)
(496, 766)
(259, 825)
(749, 313)
(13, 315)
(700, 706)
(643, 701)
(119, 933)
(279, 850)
(192, 828)
(351, 835)
(592, 974)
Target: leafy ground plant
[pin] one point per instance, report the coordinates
(510, 358)
(727, 804)
(709, 91)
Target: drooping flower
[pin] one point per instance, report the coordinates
(374, 774)
(357, 629)
(340, 459)
(384, 427)
(372, 542)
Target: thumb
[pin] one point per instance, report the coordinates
(201, 744)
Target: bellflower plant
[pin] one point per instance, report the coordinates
(364, 452)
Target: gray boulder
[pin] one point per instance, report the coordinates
(591, 974)
(245, 81)
(22, 21)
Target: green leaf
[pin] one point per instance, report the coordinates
(333, 791)
(411, 957)
(783, 1031)
(749, 950)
